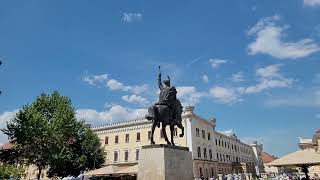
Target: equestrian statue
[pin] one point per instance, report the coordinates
(167, 111)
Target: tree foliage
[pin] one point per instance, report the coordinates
(47, 134)
(10, 171)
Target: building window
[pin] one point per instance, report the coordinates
(137, 154)
(126, 155)
(149, 135)
(210, 154)
(200, 172)
(225, 144)
(209, 136)
(222, 143)
(217, 157)
(216, 142)
(116, 139)
(212, 172)
(115, 156)
(197, 132)
(138, 136)
(203, 134)
(199, 152)
(205, 153)
(106, 140)
(219, 142)
(127, 138)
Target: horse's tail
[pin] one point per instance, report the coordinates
(178, 110)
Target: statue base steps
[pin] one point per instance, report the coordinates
(164, 162)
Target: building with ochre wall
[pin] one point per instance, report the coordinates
(213, 152)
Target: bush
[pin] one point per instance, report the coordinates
(10, 171)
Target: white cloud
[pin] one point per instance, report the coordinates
(237, 77)
(135, 99)
(139, 89)
(269, 71)
(116, 85)
(4, 118)
(312, 3)
(250, 140)
(215, 63)
(269, 39)
(114, 114)
(269, 77)
(131, 17)
(205, 78)
(225, 95)
(189, 95)
(228, 132)
(93, 80)
(303, 99)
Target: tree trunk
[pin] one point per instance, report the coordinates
(39, 174)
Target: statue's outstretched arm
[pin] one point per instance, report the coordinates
(159, 80)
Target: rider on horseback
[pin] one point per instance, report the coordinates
(168, 98)
(167, 111)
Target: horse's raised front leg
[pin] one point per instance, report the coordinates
(154, 124)
(172, 134)
(165, 133)
(182, 129)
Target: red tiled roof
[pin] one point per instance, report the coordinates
(266, 158)
(6, 146)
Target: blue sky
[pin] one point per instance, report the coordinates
(253, 65)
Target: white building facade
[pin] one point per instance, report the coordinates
(213, 153)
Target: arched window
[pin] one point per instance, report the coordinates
(115, 156)
(137, 154)
(200, 169)
(204, 152)
(126, 155)
(199, 151)
(106, 140)
(212, 172)
(210, 154)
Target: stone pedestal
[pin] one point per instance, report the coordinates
(163, 162)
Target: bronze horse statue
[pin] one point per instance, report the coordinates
(161, 114)
(167, 111)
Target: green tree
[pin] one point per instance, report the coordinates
(84, 154)
(47, 134)
(10, 171)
